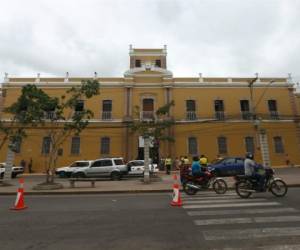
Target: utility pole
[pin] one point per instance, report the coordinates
(260, 133)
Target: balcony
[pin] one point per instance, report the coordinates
(50, 115)
(274, 115)
(191, 115)
(246, 115)
(106, 115)
(147, 115)
(219, 115)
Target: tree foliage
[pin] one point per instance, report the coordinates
(157, 126)
(55, 114)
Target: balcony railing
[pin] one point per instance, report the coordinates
(191, 115)
(147, 115)
(49, 115)
(219, 115)
(274, 115)
(246, 115)
(106, 115)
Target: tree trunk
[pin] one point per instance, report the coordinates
(146, 159)
(8, 166)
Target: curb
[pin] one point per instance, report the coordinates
(107, 191)
(89, 192)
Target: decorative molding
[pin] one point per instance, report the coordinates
(160, 72)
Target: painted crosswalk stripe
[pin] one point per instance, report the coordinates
(244, 211)
(222, 221)
(246, 220)
(286, 218)
(269, 247)
(212, 198)
(211, 194)
(222, 201)
(232, 205)
(238, 234)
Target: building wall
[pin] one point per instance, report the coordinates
(157, 83)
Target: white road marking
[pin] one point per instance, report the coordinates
(253, 233)
(232, 205)
(245, 220)
(223, 201)
(244, 211)
(208, 193)
(212, 198)
(286, 218)
(270, 247)
(223, 221)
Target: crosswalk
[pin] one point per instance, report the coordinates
(226, 219)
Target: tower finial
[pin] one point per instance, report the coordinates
(67, 77)
(6, 80)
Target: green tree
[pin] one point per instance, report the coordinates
(56, 115)
(156, 128)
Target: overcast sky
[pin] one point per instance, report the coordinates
(214, 37)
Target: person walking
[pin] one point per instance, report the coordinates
(168, 164)
(23, 164)
(30, 166)
(177, 163)
(186, 160)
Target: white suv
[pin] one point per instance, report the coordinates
(14, 171)
(105, 167)
(136, 167)
(68, 170)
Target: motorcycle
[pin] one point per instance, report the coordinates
(191, 184)
(247, 185)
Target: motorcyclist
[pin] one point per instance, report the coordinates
(203, 162)
(250, 170)
(196, 167)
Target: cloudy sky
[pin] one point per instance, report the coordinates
(215, 37)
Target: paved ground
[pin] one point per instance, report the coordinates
(161, 184)
(146, 221)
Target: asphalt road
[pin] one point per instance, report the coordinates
(147, 221)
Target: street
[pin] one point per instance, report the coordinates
(147, 221)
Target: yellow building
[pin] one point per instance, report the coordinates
(212, 115)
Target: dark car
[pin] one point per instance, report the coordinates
(228, 166)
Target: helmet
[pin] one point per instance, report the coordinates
(249, 156)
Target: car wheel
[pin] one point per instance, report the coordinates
(2, 174)
(79, 175)
(62, 174)
(115, 176)
(13, 175)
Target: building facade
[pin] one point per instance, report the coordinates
(213, 116)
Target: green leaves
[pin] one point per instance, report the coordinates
(157, 126)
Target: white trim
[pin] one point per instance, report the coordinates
(144, 53)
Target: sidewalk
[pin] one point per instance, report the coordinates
(163, 183)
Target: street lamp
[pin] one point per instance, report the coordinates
(260, 133)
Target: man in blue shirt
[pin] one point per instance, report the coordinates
(196, 167)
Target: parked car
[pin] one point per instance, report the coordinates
(228, 166)
(68, 170)
(15, 170)
(136, 167)
(105, 167)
